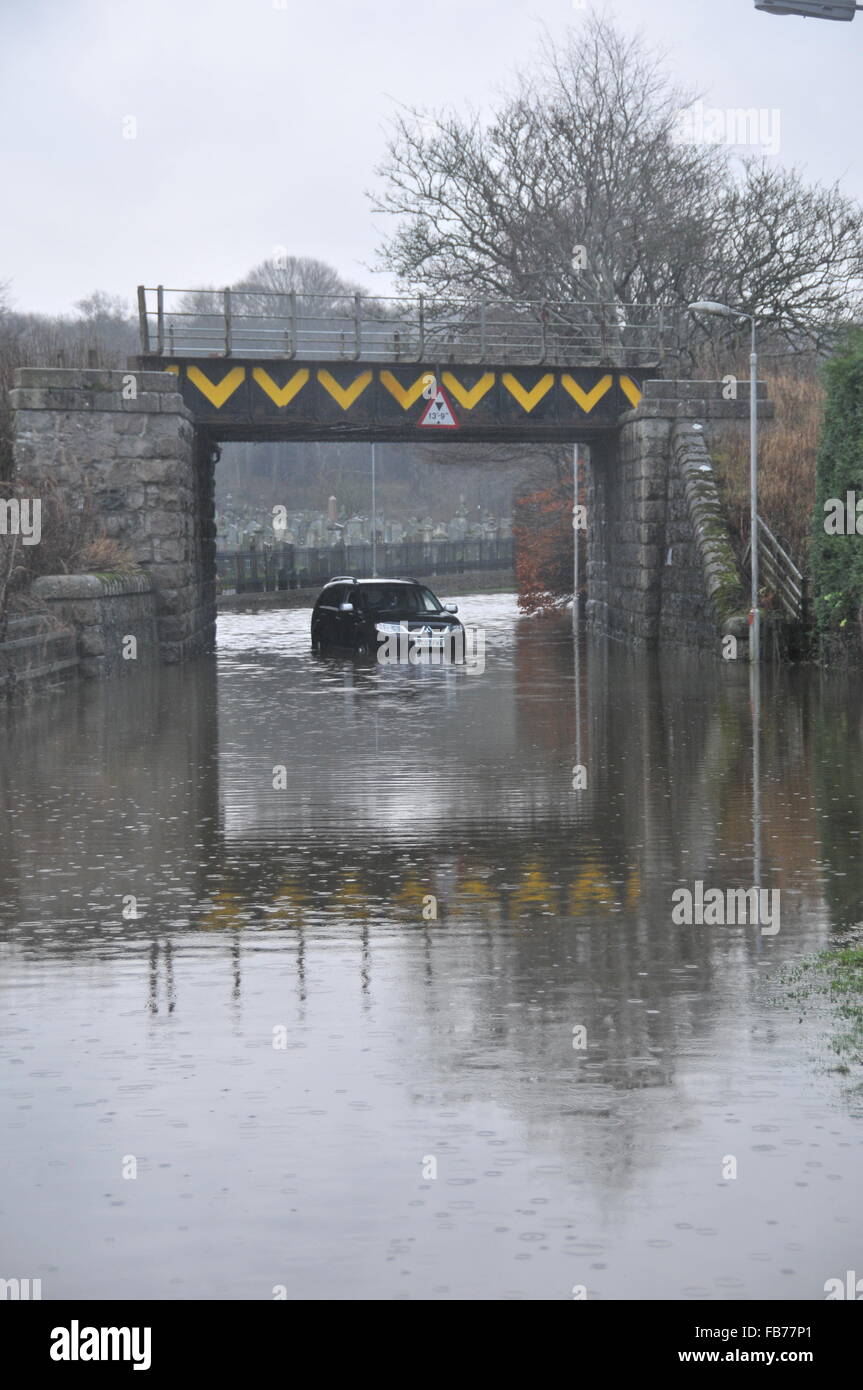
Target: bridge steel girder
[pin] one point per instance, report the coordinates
(260, 400)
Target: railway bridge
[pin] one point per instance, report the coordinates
(218, 366)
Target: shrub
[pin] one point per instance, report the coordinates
(72, 542)
(837, 561)
(543, 549)
(787, 452)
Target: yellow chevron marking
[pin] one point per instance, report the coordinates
(528, 399)
(281, 395)
(344, 395)
(586, 399)
(630, 390)
(405, 395)
(173, 368)
(216, 394)
(469, 397)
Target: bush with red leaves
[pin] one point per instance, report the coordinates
(542, 529)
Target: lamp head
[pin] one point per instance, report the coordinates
(810, 9)
(709, 306)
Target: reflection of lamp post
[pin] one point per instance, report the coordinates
(709, 306)
(755, 706)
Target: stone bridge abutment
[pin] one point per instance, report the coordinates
(661, 568)
(129, 443)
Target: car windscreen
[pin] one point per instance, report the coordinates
(399, 598)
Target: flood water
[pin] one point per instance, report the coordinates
(324, 1087)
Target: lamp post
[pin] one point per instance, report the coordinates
(374, 521)
(709, 306)
(575, 547)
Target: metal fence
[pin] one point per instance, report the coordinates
(282, 567)
(258, 323)
(780, 574)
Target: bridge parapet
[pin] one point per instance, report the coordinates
(260, 400)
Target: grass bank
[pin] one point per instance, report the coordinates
(830, 984)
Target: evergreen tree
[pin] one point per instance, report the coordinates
(837, 558)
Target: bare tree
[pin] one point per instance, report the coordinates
(300, 275)
(279, 298)
(580, 188)
(522, 465)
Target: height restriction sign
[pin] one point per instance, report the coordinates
(439, 414)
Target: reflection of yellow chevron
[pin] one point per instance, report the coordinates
(469, 397)
(218, 393)
(591, 892)
(173, 368)
(281, 395)
(406, 395)
(630, 390)
(586, 399)
(344, 395)
(528, 399)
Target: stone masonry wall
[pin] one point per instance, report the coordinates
(104, 611)
(626, 507)
(147, 472)
(38, 654)
(660, 566)
(703, 597)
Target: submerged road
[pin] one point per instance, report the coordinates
(412, 1018)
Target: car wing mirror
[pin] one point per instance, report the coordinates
(451, 607)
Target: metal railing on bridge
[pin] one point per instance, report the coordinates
(779, 573)
(318, 327)
(283, 567)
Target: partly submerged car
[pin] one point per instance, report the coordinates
(358, 615)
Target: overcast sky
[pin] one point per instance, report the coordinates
(259, 122)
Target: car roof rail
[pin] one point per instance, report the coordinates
(345, 579)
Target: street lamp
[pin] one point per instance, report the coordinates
(811, 9)
(374, 520)
(575, 545)
(709, 306)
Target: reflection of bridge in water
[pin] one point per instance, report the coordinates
(552, 904)
(515, 849)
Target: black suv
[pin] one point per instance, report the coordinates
(357, 614)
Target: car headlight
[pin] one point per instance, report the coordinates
(388, 628)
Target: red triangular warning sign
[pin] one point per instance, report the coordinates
(439, 414)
